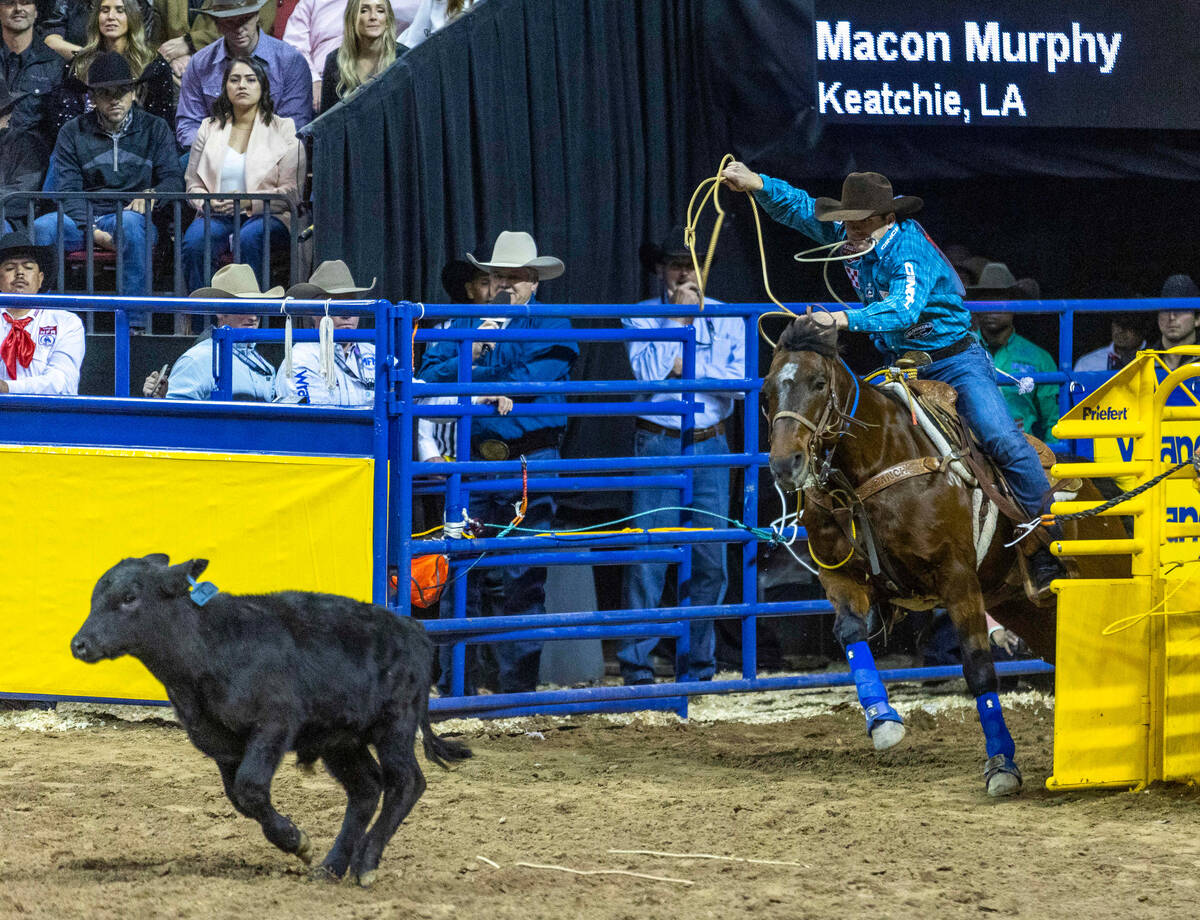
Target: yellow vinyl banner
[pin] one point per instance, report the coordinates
(265, 523)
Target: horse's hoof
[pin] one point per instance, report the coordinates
(304, 849)
(367, 879)
(1001, 776)
(887, 735)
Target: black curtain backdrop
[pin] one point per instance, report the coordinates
(565, 118)
(590, 122)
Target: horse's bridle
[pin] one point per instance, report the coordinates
(831, 424)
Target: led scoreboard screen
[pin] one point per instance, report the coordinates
(1107, 64)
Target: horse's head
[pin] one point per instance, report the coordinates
(802, 401)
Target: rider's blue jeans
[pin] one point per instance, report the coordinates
(982, 406)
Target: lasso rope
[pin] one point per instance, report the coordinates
(710, 188)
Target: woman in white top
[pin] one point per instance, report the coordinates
(432, 15)
(242, 147)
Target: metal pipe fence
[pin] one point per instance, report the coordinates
(399, 476)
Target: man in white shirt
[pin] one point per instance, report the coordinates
(353, 377)
(41, 351)
(1128, 338)
(720, 354)
(253, 375)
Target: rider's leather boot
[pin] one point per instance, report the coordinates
(1044, 566)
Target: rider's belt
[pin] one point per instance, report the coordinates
(495, 449)
(698, 434)
(939, 354)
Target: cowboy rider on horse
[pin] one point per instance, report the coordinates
(912, 301)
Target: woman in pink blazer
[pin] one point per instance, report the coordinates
(242, 147)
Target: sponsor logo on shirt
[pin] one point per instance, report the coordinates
(910, 284)
(368, 369)
(47, 335)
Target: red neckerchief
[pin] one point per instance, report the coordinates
(18, 345)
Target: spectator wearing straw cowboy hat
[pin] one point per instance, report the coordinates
(720, 353)
(516, 270)
(40, 350)
(253, 375)
(241, 36)
(352, 378)
(912, 300)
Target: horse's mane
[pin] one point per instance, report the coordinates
(807, 334)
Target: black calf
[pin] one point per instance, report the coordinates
(255, 676)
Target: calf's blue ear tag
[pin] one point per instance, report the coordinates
(201, 592)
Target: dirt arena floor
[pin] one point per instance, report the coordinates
(105, 817)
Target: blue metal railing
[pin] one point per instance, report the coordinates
(391, 439)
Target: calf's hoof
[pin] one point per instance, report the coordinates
(304, 849)
(887, 735)
(1001, 776)
(324, 873)
(367, 879)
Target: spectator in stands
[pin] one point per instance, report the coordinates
(516, 270)
(368, 49)
(116, 25)
(283, 13)
(67, 24)
(204, 80)
(464, 283)
(28, 67)
(1128, 338)
(242, 147)
(180, 32)
(116, 147)
(23, 159)
(1013, 354)
(42, 350)
(1177, 327)
(317, 28)
(253, 375)
(431, 16)
(720, 353)
(353, 382)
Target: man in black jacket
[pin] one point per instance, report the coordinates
(23, 159)
(116, 147)
(27, 66)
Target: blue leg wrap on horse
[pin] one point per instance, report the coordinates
(995, 732)
(871, 692)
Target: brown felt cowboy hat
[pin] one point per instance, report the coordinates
(225, 9)
(516, 249)
(866, 194)
(331, 278)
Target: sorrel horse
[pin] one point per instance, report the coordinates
(830, 436)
